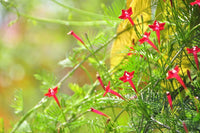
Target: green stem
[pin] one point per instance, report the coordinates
(163, 125)
(83, 12)
(17, 125)
(63, 22)
(88, 74)
(119, 114)
(44, 100)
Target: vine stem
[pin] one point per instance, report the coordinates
(161, 124)
(17, 125)
(44, 100)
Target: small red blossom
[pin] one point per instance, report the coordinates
(170, 2)
(98, 112)
(195, 2)
(185, 127)
(126, 14)
(169, 99)
(189, 75)
(174, 74)
(100, 81)
(127, 77)
(146, 39)
(112, 92)
(52, 93)
(77, 37)
(157, 27)
(131, 53)
(194, 51)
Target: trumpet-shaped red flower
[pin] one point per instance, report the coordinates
(170, 2)
(52, 93)
(169, 99)
(146, 39)
(127, 77)
(185, 127)
(189, 75)
(174, 74)
(77, 37)
(157, 27)
(126, 14)
(112, 92)
(98, 112)
(195, 2)
(100, 81)
(194, 51)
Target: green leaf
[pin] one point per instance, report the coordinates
(48, 80)
(24, 128)
(76, 89)
(66, 63)
(53, 111)
(17, 104)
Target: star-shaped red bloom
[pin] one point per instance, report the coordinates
(195, 2)
(126, 14)
(174, 74)
(127, 77)
(157, 27)
(52, 93)
(146, 39)
(112, 92)
(194, 51)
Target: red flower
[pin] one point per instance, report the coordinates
(194, 51)
(127, 77)
(126, 14)
(77, 37)
(146, 39)
(169, 99)
(196, 2)
(52, 93)
(100, 80)
(112, 92)
(98, 112)
(174, 74)
(185, 127)
(189, 75)
(170, 2)
(157, 27)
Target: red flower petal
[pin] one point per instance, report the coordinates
(174, 74)
(77, 37)
(98, 112)
(126, 14)
(169, 99)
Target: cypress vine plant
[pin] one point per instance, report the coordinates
(153, 87)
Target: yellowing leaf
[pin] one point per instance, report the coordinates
(141, 15)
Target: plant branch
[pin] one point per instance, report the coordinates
(17, 125)
(163, 125)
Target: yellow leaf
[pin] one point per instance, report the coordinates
(141, 15)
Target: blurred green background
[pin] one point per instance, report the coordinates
(29, 46)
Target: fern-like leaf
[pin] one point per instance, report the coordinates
(48, 80)
(17, 103)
